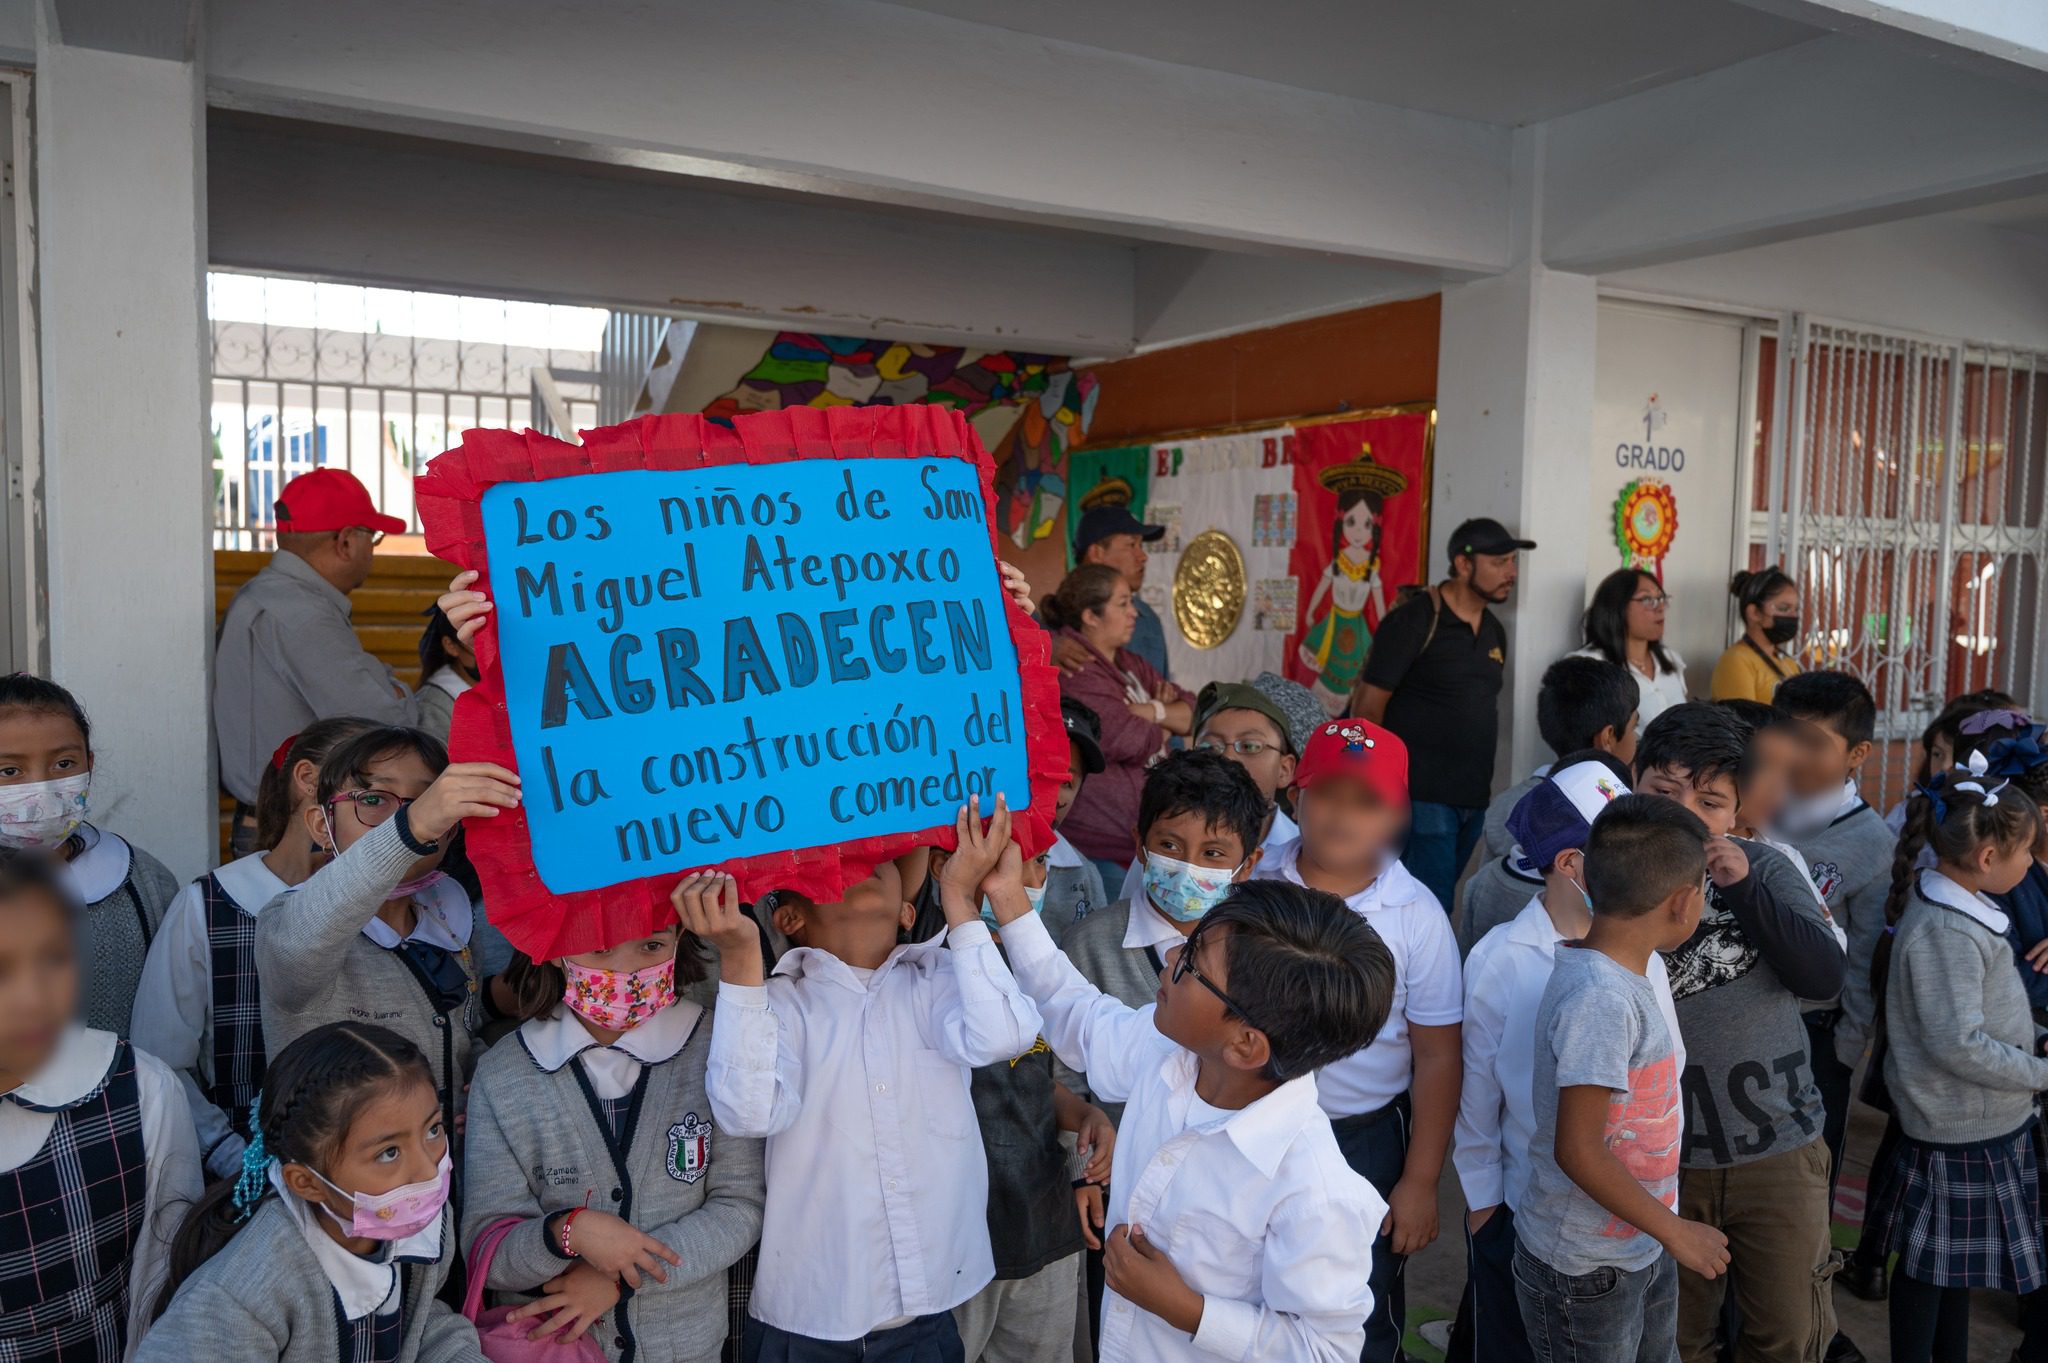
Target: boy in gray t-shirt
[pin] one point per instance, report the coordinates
(1592, 1273)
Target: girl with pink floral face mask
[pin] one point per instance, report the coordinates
(592, 1129)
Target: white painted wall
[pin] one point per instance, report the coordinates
(1514, 419)
(1693, 366)
(1947, 275)
(120, 185)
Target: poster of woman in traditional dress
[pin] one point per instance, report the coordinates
(1335, 644)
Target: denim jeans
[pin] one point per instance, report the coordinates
(1440, 842)
(1611, 1315)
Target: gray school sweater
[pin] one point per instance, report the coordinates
(1498, 840)
(1071, 894)
(265, 1297)
(1962, 1064)
(1762, 945)
(1851, 862)
(1096, 947)
(1492, 895)
(537, 1142)
(317, 967)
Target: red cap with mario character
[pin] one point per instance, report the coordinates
(1356, 750)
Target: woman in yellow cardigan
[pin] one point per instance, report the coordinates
(1768, 601)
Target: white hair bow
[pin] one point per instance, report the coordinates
(1979, 766)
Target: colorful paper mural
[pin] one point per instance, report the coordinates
(1052, 402)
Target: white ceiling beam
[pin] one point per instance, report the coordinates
(1828, 135)
(868, 100)
(2000, 37)
(1185, 294)
(383, 215)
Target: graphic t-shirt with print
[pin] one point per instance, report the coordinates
(1599, 1024)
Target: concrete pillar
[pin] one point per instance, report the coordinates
(1514, 424)
(127, 489)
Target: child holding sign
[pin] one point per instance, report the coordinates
(605, 1089)
(379, 934)
(1235, 1223)
(854, 1062)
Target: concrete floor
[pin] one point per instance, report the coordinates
(1436, 1276)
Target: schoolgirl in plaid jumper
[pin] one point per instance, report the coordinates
(1959, 1200)
(96, 1150)
(334, 1241)
(199, 1008)
(46, 763)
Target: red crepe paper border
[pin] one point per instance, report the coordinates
(449, 495)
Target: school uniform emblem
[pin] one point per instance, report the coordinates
(1827, 878)
(689, 1149)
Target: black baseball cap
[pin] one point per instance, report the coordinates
(1101, 522)
(1485, 535)
(1084, 730)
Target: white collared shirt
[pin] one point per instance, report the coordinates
(555, 1040)
(173, 1018)
(449, 680)
(100, 867)
(1148, 927)
(1279, 834)
(1428, 989)
(1064, 853)
(173, 1182)
(1937, 888)
(443, 917)
(1504, 980)
(364, 1287)
(860, 1086)
(1256, 1209)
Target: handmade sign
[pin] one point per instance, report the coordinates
(780, 649)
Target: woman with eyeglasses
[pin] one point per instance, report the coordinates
(1767, 602)
(380, 932)
(1625, 625)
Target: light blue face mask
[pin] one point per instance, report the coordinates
(1185, 892)
(1582, 892)
(988, 913)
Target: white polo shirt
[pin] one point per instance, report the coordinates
(1428, 988)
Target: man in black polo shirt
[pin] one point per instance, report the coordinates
(1433, 677)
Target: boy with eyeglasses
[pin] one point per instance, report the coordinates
(1236, 720)
(1235, 1223)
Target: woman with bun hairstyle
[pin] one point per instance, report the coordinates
(1767, 601)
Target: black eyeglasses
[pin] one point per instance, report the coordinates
(1184, 964)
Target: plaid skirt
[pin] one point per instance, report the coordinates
(1963, 1215)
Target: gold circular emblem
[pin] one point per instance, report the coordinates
(1209, 589)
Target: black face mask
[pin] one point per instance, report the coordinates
(1782, 629)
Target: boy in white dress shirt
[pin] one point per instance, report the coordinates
(854, 1062)
(1236, 1226)
(1504, 980)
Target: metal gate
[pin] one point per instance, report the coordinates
(1908, 504)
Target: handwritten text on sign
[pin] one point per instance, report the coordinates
(710, 664)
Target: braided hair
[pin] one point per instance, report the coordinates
(311, 1094)
(1955, 814)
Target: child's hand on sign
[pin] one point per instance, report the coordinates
(1019, 588)
(979, 851)
(464, 790)
(707, 904)
(465, 609)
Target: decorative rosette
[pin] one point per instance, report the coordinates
(1645, 523)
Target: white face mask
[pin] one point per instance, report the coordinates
(41, 814)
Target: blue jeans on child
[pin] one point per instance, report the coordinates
(1611, 1315)
(1440, 842)
(1375, 1145)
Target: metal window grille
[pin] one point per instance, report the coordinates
(1908, 504)
(287, 399)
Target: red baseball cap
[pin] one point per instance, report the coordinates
(330, 499)
(1357, 750)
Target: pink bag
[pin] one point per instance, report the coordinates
(503, 1341)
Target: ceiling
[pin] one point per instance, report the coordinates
(1495, 61)
(2028, 216)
